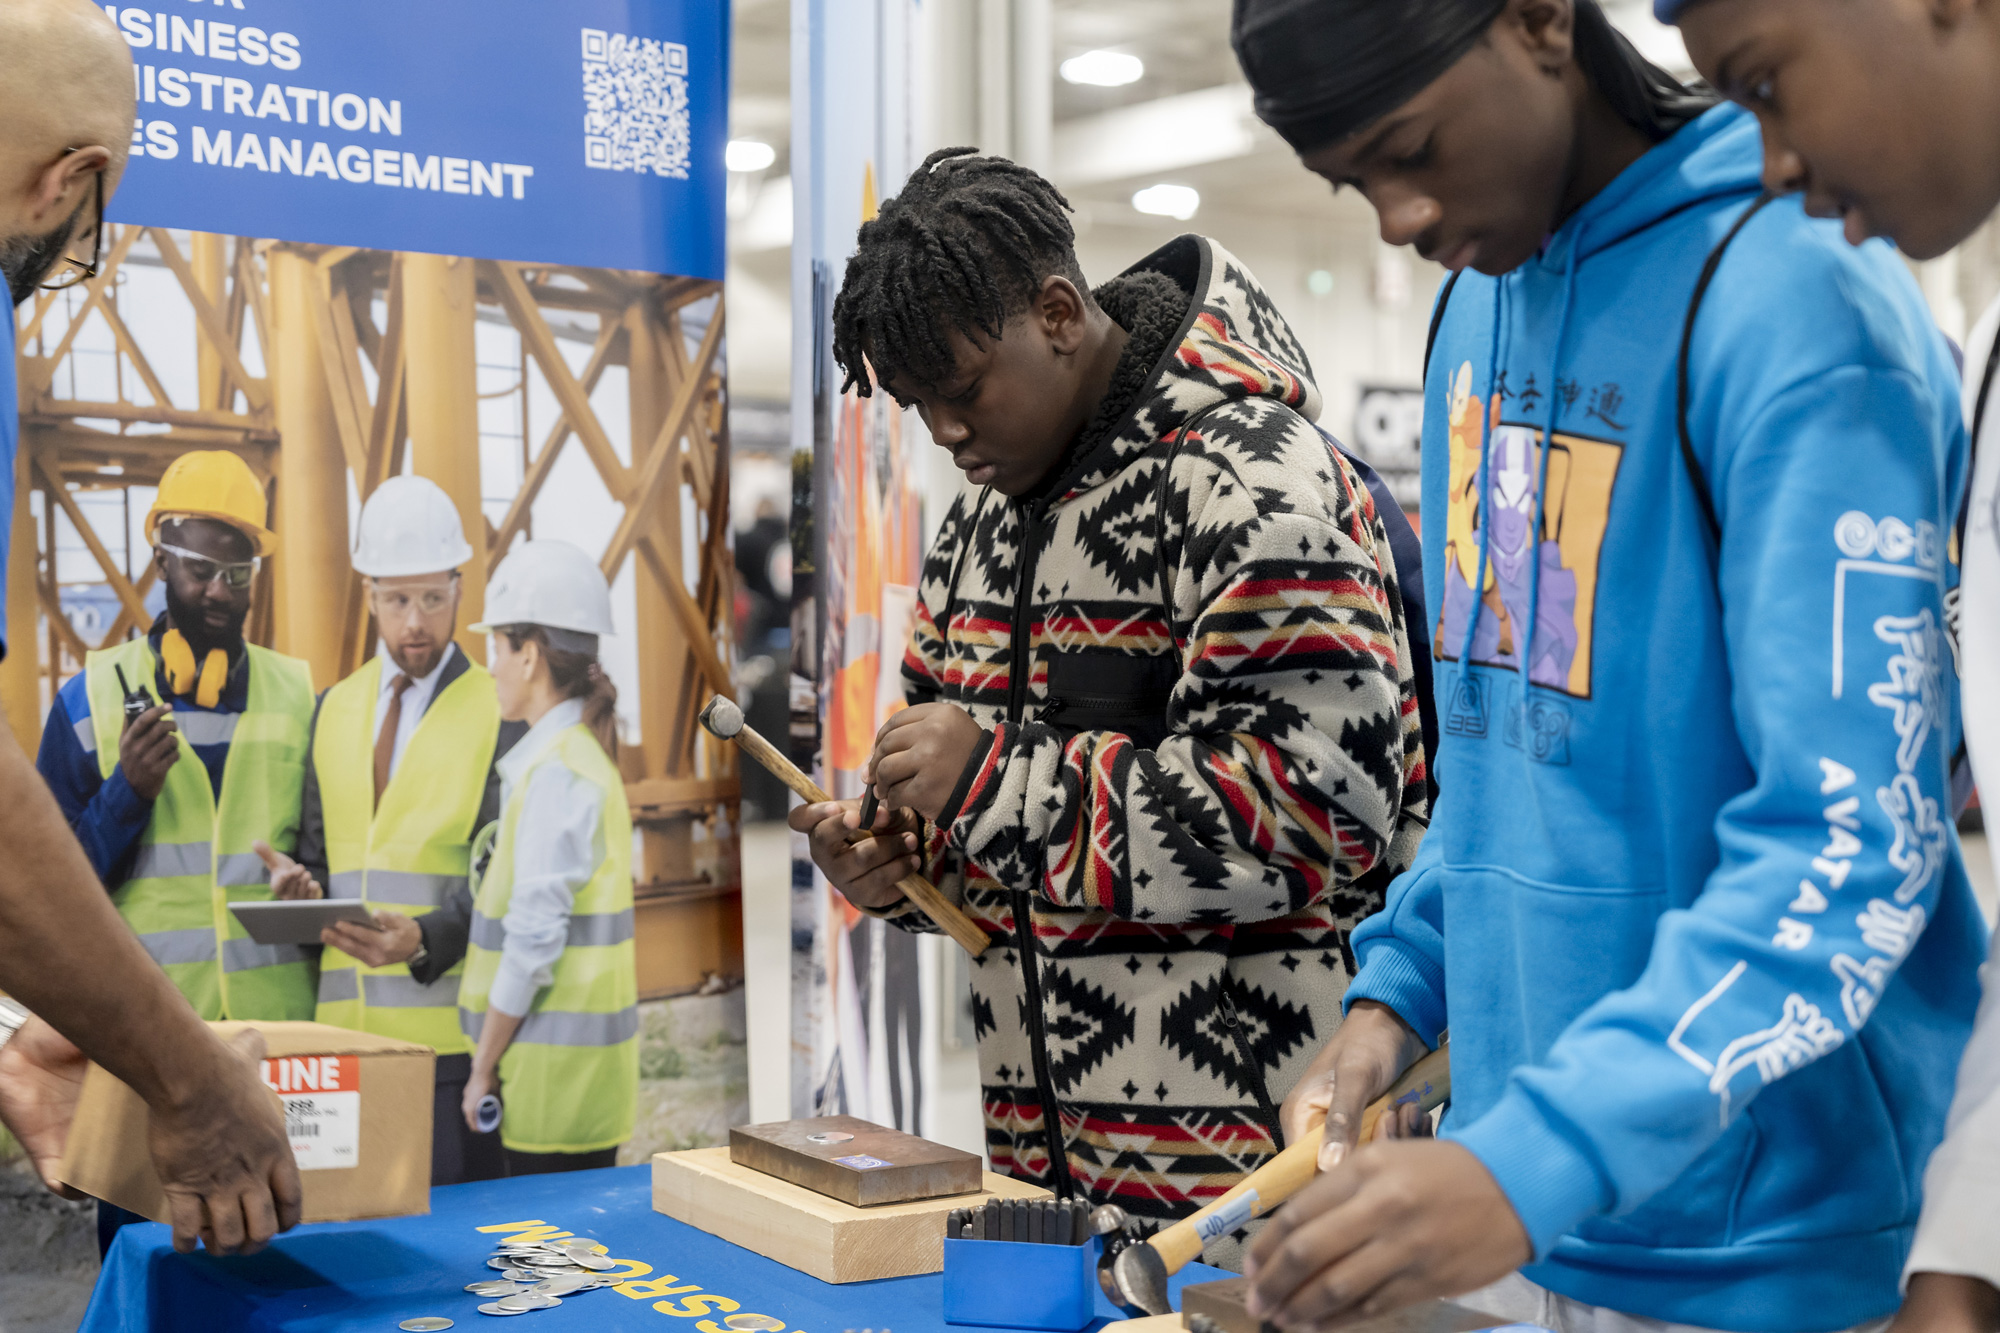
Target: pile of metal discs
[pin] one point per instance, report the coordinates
(540, 1275)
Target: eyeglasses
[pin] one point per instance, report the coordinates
(431, 600)
(80, 271)
(205, 571)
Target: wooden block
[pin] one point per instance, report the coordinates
(831, 1240)
(1222, 1302)
(854, 1161)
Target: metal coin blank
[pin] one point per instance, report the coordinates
(528, 1300)
(495, 1307)
(429, 1323)
(584, 1243)
(493, 1288)
(498, 1262)
(550, 1261)
(596, 1263)
(829, 1136)
(754, 1323)
(561, 1285)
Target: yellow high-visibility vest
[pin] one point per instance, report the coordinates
(406, 855)
(571, 1076)
(195, 856)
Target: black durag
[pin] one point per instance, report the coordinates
(1322, 69)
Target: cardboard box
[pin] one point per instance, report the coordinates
(358, 1108)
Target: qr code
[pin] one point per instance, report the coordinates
(635, 96)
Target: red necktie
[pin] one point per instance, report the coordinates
(385, 739)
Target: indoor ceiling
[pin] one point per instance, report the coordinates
(1186, 121)
(1113, 141)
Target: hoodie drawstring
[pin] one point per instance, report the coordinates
(1488, 419)
(1524, 635)
(1542, 479)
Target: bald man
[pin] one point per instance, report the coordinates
(88, 989)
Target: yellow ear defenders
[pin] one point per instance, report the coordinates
(178, 659)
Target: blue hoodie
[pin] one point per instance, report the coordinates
(1658, 903)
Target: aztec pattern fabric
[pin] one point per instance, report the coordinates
(1172, 826)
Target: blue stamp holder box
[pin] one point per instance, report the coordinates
(1018, 1284)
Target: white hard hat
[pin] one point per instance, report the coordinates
(548, 583)
(409, 526)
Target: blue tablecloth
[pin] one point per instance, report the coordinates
(372, 1275)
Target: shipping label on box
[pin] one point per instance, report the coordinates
(348, 1099)
(322, 1098)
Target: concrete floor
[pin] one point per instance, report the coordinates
(48, 1262)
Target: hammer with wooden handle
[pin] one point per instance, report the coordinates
(1134, 1272)
(724, 720)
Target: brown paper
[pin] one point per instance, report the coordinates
(106, 1155)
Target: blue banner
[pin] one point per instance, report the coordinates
(584, 132)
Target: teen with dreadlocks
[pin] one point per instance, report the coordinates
(1163, 742)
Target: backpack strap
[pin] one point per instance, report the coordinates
(1972, 441)
(1437, 320)
(1985, 390)
(1703, 496)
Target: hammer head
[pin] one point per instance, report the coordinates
(722, 718)
(1133, 1276)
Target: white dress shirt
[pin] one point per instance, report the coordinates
(1959, 1231)
(557, 848)
(416, 699)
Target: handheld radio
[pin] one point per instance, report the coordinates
(136, 701)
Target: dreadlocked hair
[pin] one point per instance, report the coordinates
(967, 244)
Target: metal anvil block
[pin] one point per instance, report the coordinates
(854, 1161)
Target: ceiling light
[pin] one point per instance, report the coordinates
(1103, 69)
(748, 155)
(1168, 201)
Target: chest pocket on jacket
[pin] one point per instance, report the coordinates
(1102, 690)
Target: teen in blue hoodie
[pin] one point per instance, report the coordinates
(1691, 903)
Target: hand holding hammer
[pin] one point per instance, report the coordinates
(724, 719)
(1134, 1272)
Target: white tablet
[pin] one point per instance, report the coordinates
(299, 920)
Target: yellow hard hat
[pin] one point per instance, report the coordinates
(212, 483)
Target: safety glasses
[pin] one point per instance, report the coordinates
(396, 603)
(205, 571)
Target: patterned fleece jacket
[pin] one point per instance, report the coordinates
(1173, 821)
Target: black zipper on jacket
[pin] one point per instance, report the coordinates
(1020, 667)
(1266, 1109)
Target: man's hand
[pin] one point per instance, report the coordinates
(222, 1155)
(289, 879)
(147, 748)
(866, 872)
(1945, 1303)
(1369, 1050)
(919, 755)
(41, 1076)
(394, 940)
(1394, 1224)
